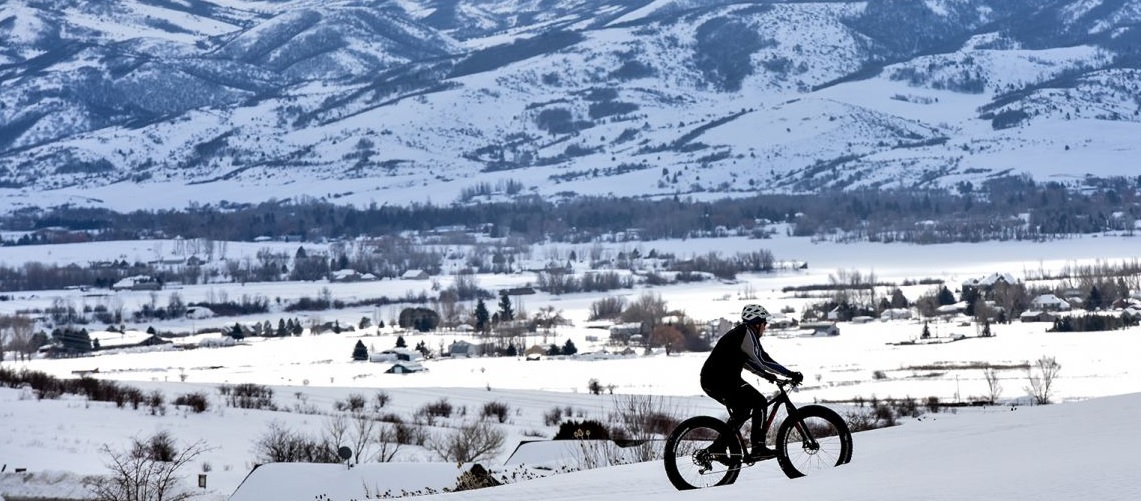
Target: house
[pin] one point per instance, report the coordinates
(1049, 302)
(346, 275)
(720, 326)
(988, 282)
(535, 352)
(137, 283)
(396, 355)
(781, 321)
(1132, 313)
(1037, 316)
(217, 342)
(349, 275)
(896, 314)
(622, 333)
(952, 309)
(414, 275)
(199, 312)
(404, 367)
(821, 328)
(106, 340)
(463, 349)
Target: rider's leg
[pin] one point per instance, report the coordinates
(759, 431)
(744, 402)
(738, 414)
(755, 404)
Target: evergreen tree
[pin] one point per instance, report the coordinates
(946, 297)
(1094, 300)
(360, 353)
(236, 332)
(281, 329)
(419, 318)
(569, 348)
(970, 296)
(506, 313)
(898, 300)
(73, 341)
(400, 342)
(883, 305)
(482, 317)
(926, 332)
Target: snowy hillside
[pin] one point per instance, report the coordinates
(989, 452)
(360, 101)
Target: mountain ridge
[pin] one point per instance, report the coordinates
(369, 101)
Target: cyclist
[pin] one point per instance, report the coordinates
(738, 349)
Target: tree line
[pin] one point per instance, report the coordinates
(1003, 208)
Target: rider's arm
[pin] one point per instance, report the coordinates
(757, 361)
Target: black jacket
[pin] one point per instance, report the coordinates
(739, 349)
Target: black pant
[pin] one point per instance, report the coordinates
(743, 401)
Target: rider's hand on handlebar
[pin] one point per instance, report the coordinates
(797, 378)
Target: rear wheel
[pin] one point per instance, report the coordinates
(703, 452)
(816, 438)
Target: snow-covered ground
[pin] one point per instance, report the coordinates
(1079, 449)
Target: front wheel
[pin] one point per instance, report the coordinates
(813, 439)
(703, 452)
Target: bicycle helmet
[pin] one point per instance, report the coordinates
(754, 314)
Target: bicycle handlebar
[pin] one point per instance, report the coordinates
(783, 382)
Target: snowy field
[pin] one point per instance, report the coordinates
(992, 453)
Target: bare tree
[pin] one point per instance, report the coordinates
(281, 445)
(147, 470)
(647, 310)
(16, 332)
(369, 439)
(448, 306)
(1041, 376)
(337, 432)
(470, 442)
(1012, 298)
(994, 386)
(643, 418)
(667, 336)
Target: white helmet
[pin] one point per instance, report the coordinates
(754, 314)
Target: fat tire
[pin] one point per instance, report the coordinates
(793, 458)
(673, 463)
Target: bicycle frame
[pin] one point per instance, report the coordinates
(781, 397)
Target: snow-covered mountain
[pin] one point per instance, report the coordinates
(412, 100)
